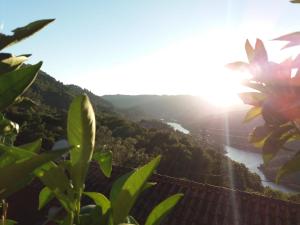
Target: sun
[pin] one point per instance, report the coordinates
(221, 88)
(211, 79)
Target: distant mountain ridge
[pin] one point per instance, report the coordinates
(169, 107)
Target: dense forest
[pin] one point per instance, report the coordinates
(43, 115)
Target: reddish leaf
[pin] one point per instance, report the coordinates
(249, 50)
(260, 53)
(292, 38)
(253, 98)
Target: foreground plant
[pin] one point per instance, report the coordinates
(275, 97)
(17, 164)
(70, 189)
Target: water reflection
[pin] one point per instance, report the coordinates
(252, 161)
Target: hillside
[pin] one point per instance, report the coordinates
(168, 107)
(194, 113)
(132, 143)
(206, 123)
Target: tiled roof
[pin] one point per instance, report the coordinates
(202, 204)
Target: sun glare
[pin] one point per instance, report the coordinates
(194, 66)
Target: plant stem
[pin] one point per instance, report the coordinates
(70, 218)
(4, 211)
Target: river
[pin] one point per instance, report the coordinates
(177, 126)
(251, 160)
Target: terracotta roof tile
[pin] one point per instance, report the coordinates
(202, 204)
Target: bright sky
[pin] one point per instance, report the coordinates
(149, 47)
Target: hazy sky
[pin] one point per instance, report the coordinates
(152, 47)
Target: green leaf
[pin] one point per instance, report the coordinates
(275, 142)
(292, 166)
(45, 197)
(81, 135)
(117, 186)
(253, 98)
(130, 190)
(15, 83)
(22, 33)
(10, 222)
(102, 202)
(54, 178)
(131, 220)
(9, 62)
(162, 210)
(148, 185)
(16, 176)
(104, 160)
(12, 154)
(33, 146)
(91, 215)
(259, 135)
(253, 113)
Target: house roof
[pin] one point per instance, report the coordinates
(202, 204)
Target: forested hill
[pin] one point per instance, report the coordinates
(194, 113)
(169, 107)
(43, 115)
(50, 92)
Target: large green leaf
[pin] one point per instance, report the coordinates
(132, 187)
(253, 113)
(81, 135)
(14, 83)
(45, 196)
(16, 176)
(22, 33)
(104, 160)
(162, 209)
(292, 166)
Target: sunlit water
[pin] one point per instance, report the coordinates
(251, 160)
